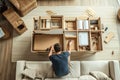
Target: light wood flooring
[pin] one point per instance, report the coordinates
(7, 68)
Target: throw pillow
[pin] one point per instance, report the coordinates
(87, 77)
(99, 75)
(40, 75)
(56, 79)
(25, 79)
(31, 73)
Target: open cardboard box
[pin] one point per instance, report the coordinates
(42, 42)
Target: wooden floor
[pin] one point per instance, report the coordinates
(7, 68)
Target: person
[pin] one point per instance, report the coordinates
(60, 59)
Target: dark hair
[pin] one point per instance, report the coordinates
(57, 47)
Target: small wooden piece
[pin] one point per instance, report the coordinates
(49, 12)
(109, 37)
(91, 12)
(112, 52)
(36, 23)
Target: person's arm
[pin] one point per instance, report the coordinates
(69, 46)
(69, 50)
(51, 51)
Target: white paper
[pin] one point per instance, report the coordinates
(47, 23)
(80, 24)
(83, 38)
(86, 26)
(1, 33)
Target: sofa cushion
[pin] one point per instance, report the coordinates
(74, 68)
(62, 79)
(44, 67)
(87, 77)
(99, 75)
(25, 79)
(55, 79)
(29, 73)
(88, 66)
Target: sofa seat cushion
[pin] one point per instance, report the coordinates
(87, 77)
(62, 79)
(74, 69)
(88, 66)
(44, 67)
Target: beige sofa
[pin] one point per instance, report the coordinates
(77, 69)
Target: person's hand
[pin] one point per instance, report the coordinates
(69, 42)
(51, 51)
(51, 48)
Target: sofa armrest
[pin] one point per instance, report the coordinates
(115, 70)
(19, 68)
(15, 3)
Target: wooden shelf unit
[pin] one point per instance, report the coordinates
(85, 33)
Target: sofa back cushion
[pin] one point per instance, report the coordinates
(46, 68)
(62, 79)
(88, 66)
(43, 67)
(74, 69)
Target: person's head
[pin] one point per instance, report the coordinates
(57, 47)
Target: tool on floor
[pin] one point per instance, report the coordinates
(109, 37)
(106, 28)
(112, 52)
